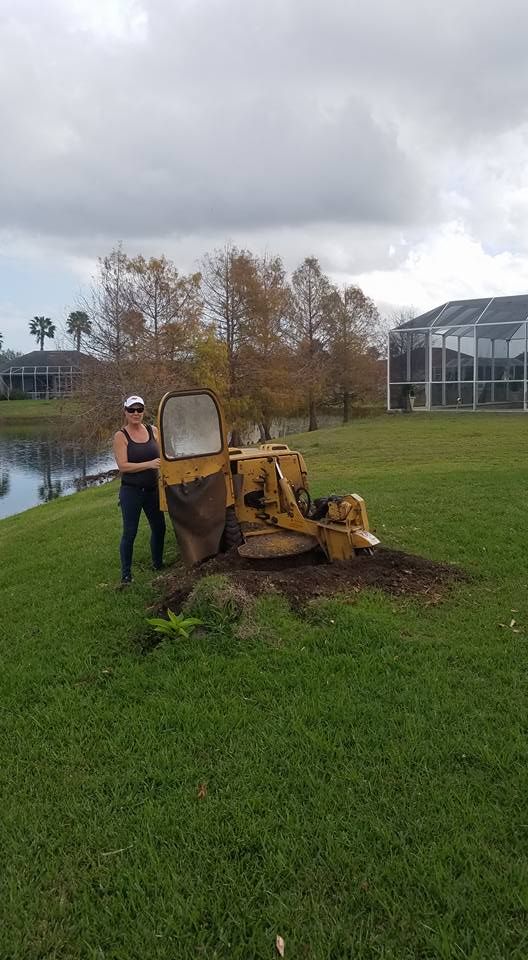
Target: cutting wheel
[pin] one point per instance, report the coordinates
(283, 543)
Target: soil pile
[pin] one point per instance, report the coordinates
(309, 576)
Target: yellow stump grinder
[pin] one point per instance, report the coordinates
(253, 498)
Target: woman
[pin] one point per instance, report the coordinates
(136, 449)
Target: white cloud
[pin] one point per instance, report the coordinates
(450, 264)
(124, 21)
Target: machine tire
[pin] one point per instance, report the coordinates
(232, 536)
(303, 501)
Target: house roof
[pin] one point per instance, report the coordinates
(47, 358)
(500, 317)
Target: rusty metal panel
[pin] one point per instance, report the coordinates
(198, 511)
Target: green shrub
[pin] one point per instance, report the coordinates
(15, 395)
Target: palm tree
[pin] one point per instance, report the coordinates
(1, 340)
(77, 324)
(41, 327)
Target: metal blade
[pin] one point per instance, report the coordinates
(283, 543)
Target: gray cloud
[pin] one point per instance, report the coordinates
(267, 163)
(347, 130)
(206, 122)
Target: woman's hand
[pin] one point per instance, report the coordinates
(155, 464)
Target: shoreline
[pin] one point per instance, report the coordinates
(33, 411)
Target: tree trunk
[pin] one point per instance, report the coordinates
(78, 341)
(235, 438)
(265, 431)
(346, 406)
(156, 336)
(313, 415)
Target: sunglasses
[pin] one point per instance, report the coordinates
(135, 409)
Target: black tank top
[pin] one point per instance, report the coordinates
(140, 453)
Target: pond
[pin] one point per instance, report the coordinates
(38, 465)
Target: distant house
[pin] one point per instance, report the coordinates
(43, 374)
(462, 353)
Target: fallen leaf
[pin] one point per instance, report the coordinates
(512, 623)
(202, 791)
(279, 945)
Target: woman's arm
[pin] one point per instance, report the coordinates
(155, 432)
(121, 454)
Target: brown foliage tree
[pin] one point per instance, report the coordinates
(170, 303)
(145, 325)
(266, 359)
(311, 307)
(266, 346)
(109, 301)
(227, 278)
(353, 359)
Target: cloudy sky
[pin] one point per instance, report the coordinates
(388, 138)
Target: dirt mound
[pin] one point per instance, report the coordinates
(309, 576)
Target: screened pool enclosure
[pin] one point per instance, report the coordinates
(468, 354)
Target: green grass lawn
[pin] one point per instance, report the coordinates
(365, 768)
(24, 410)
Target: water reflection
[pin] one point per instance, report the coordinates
(4, 483)
(38, 465)
(49, 490)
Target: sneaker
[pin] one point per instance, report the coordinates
(126, 581)
(160, 566)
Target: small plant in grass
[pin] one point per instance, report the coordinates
(178, 625)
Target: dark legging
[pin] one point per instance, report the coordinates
(132, 501)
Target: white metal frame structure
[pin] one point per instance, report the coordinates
(42, 382)
(464, 354)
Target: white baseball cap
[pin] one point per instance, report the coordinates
(133, 399)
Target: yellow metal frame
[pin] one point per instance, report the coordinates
(339, 539)
(276, 473)
(187, 469)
